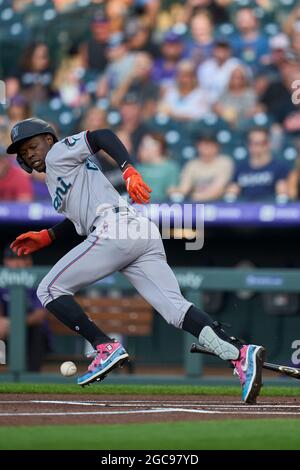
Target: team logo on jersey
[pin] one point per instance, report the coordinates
(70, 143)
(60, 191)
(91, 165)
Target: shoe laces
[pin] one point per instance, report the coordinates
(97, 354)
(91, 353)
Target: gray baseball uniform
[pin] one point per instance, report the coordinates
(123, 241)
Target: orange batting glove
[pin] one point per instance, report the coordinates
(31, 241)
(137, 189)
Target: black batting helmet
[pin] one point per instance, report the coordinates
(23, 131)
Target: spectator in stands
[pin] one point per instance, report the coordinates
(94, 118)
(200, 47)
(18, 110)
(12, 88)
(164, 67)
(239, 100)
(37, 328)
(292, 120)
(141, 84)
(185, 101)
(155, 167)
(139, 37)
(250, 45)
(296, 42)
(261, 177)
(147, 10)
(269, 71)
(116, 12)
(206, 177)
(121, 63)
(36, 74)
(214, 73)
(279, 99)
(270, 64)
(4, 131)
(132, 122)
(292, 22)
(94, 49)
(39, 186)
(69, 83)
(15, 184)
(218, 9)
(62, 5)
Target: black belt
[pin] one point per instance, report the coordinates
(116, 210)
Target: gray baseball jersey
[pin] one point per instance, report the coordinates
(76, 184)
(78, 187)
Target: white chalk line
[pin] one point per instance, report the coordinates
(167, 407)
(152, 411)
(75, 413)
(150, 402)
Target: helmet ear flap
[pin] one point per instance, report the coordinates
(23, 164)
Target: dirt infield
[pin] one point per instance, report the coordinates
(42, 409)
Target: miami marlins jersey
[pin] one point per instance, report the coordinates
(76, 184)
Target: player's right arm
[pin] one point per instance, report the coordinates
(33, 241)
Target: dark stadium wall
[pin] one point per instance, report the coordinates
(223, 246)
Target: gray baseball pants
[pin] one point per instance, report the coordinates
(131, 245)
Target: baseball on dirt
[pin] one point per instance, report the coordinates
(68, 368)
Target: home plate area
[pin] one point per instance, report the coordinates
(62, 409)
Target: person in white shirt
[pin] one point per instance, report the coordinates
(185, 100)
(214, 74)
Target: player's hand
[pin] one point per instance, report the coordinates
(137, 189)
(31, 241)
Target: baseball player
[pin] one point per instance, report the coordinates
(90, 204)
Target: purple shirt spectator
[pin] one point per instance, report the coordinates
(31, 300)
(40, 191)
(172, 50)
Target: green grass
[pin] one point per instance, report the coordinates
(231, 434)
(143, 389)
(195, 435)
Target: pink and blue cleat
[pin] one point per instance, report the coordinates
(249, 369)
(108, 357)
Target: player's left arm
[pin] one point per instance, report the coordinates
(106, 140)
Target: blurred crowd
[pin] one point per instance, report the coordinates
(204, 94)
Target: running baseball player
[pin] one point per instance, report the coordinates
(91, 205)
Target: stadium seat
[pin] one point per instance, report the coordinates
(271, 28)
(225, 31)
(258, 120)
(240, 153)
(163, 123)
(65, 118)
(211, 123)
(289, 156)
(8, 15)
(286, 5)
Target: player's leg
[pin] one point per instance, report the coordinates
(156, 282)
(88, 262)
